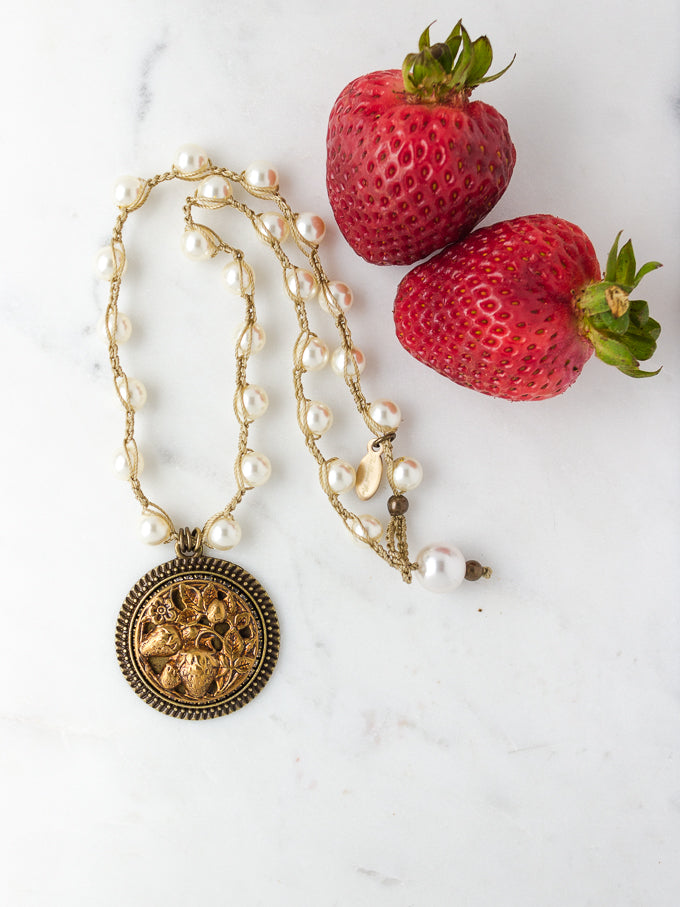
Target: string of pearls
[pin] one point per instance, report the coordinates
(440, 567)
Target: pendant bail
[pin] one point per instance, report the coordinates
(189, 543)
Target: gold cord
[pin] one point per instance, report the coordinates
(395, 549)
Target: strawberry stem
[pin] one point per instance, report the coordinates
(619, 328)
(449, 68)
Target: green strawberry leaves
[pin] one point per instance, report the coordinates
(452, 67)
(621, 266)
(620, 329)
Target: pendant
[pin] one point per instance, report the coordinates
(197, 637)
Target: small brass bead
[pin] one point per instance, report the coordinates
(397, 505)
(473, 570)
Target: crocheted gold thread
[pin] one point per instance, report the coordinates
(395, 550)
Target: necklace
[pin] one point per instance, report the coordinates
(198, 637)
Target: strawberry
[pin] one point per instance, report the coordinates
(412, 163)
(516, 309)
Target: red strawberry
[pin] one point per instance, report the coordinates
(412, 164)
(516, 309)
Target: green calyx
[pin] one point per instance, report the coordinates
(453, 67)
(620, 328)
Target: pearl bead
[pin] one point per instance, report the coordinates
(153, 528)
(340, 474)
(301, 283)
(123, 330)
(196, 245)
(275, 225)
(386, 413)
(310, 227)
(256, 468)
(138, 394)
(254, 334)
(261, 175)
(191, 159)
(339, 358)
(315, 354)
(408, 474)
(441, 567)
(255, 401)
(341, 297)
(223, 534)
(121, 467)
(108, 262)
(319, 418)
(215, 189)
(127, 190)
(238, 277)
(366, 526)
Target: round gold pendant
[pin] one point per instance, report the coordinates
(197, 637)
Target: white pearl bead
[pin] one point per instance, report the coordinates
(311, 227)
(408, 474)
(215, 189)
(261, 175)
(153, 528)
(315, 354)
(238, 277)
(191, 159)
(196, 245)
(275, 225)
(255, 401)
(339, 358)
(127, 190)
(366, 526)
(223, 534)
(301, 283)
(138, 394)
(108, 262)
(340, 474)
(254, 335)
(386, 413)
(256, 468)
(121, 467)
(341, 297)
(319, 417)
(441, 567)
(123, 330)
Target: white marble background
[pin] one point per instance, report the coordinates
(515, 743)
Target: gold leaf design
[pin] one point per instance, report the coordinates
(209, 594)
(251, 647)
(163, 640)
(234, 642)
(189, 616)
(232, 603)
(190, 596)
(244, 665)
(243, 620)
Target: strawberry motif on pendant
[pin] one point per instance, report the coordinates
(197, 637)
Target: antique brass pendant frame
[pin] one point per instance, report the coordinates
(197, 637)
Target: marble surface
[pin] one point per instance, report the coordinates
(516, 742)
